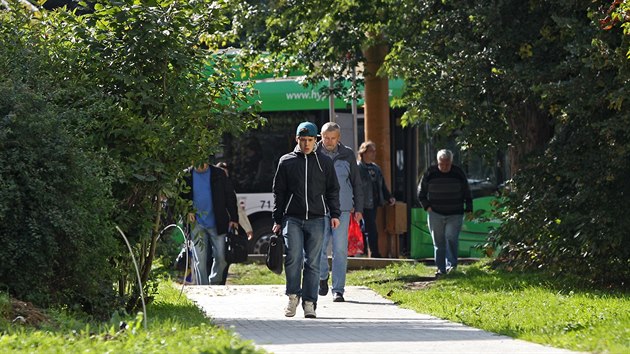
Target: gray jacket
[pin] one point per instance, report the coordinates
(348, 176)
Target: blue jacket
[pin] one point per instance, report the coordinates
(348, 176)
(223, 197)
(305, 187)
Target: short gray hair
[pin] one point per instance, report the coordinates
(331, 127)
(445, 154)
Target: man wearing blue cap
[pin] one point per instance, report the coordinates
(305, 190)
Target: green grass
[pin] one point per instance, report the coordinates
(253, 274)
(532, 307)
(174, 325)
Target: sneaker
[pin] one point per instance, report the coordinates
(294, 300)
(309, 309)
(338, 297)
(439, 274)
(323, 287)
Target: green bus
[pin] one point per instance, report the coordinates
(253, 159)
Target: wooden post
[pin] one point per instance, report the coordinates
(376, 120)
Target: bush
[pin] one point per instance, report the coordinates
(55, 207)
(571, 219)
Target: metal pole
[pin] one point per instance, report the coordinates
(331, 100)
(354, 109)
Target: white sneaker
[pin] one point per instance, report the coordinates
(309, 309)
(294, 300)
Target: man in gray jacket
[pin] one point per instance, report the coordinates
(350, 198)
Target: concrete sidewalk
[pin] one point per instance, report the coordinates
(365, 323)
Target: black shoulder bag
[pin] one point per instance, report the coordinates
(275, 254)
(235, 246)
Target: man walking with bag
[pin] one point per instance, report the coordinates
(305, 190)
(215, 211)
(350, 198)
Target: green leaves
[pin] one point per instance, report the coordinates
(538, 78)
(127, 82)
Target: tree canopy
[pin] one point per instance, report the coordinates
(129, 81)
(541, 79)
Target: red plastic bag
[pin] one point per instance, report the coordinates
(355, 238)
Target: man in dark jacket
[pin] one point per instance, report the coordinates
(350, 199)
(305, 190)
(444, 193)
(214, 202)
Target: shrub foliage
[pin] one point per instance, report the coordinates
(104, 109)
(55, 209)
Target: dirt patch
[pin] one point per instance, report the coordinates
(26, 313)
(419, 285)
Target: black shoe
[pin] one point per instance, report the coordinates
(337, 297)
(323, 287)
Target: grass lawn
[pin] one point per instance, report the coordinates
(532, 307)
(174, 325)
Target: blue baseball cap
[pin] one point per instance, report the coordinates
(306, 129)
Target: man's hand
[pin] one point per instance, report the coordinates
(276, 228)
(233, 225)
(392, 201)
(358, 216)
(250, 235)
(334, 223)
(191, 217)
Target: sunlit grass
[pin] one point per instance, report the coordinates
(253, 274)
(175, 324)
(532, 307)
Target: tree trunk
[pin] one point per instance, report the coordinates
(377, 127)
(146, 262)
(377, 124)
(532, 130)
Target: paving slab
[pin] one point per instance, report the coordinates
(366, 323)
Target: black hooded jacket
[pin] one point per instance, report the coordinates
(305, 187)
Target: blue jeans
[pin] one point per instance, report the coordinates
(303, 241)
(202, 235)
(339, 252)
(445, 233)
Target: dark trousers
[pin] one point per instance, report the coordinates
(371, 233)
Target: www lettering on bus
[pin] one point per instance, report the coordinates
(312, 95)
